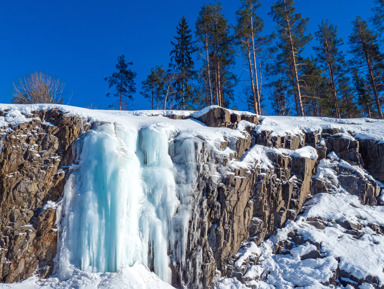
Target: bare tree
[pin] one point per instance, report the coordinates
(38, 87)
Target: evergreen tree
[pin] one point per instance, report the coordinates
(364, 96)
(348, 105)
(292, 40)
(330, 58)
(182, 58)
(203, 31)
(279, 98)
(154, 87)
(248, 29)
(341, 101)
(366, 51)
(378, 18)
(170, 82)
(213, 31)
(123, 80)
(314, 88)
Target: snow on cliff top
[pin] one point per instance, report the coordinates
(363, 128)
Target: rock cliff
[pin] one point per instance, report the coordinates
(34, 158)
(232, 203)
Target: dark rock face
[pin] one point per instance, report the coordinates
(372, 153)
(242, 204)
(253, 204)
(221, 117)
(367, 190)
(266, 138)
(345, 148)
(32, 168)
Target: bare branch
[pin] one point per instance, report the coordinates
(38, 87)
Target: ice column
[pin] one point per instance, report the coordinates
(119, 202)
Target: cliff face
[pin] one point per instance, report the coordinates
(243, 196)
(253, 203)
(33, 167)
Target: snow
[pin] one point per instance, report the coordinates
(363, 128)
(257, 156)
(13, 117)
(134, 277)
(305, 152)
(344, 136)
(200, 113)
(49, 205)
(245, 253)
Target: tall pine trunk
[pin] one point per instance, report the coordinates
(299, 102)
(254, 96)
(373, 84)
(219, 90)
(157, 98)
(208, 70)
(296, 100)
(121, 91)
(335, 104)
(255, 71)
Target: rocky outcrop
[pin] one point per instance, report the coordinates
(268, 139)
(241, 204)
(250, 205)
(220, 117)
(372, 153)
(33, 161)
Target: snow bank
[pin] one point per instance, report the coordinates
(363, 128)
(134, 277)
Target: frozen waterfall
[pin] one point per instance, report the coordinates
(121, 204)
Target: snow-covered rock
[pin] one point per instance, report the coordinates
(211, 198)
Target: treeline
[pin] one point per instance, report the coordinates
(202, 59)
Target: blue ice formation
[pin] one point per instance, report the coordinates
(121, 203)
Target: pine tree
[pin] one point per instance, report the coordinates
(378, 18)
(171, 85)
(203, 31)
(330, 58)
(314, 88)
(182, 58)
(213, 32)
(154, 87)
(292, 40)
(366, 51)
(279, 98)
(123, 80)
(364, 96)
(248, 29)
(348, 105)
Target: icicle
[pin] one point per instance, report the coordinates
(121, 204)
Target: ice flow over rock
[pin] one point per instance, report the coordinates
(121, 203)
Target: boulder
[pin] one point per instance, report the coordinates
(221, 117)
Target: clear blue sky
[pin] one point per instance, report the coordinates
(79, 41)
